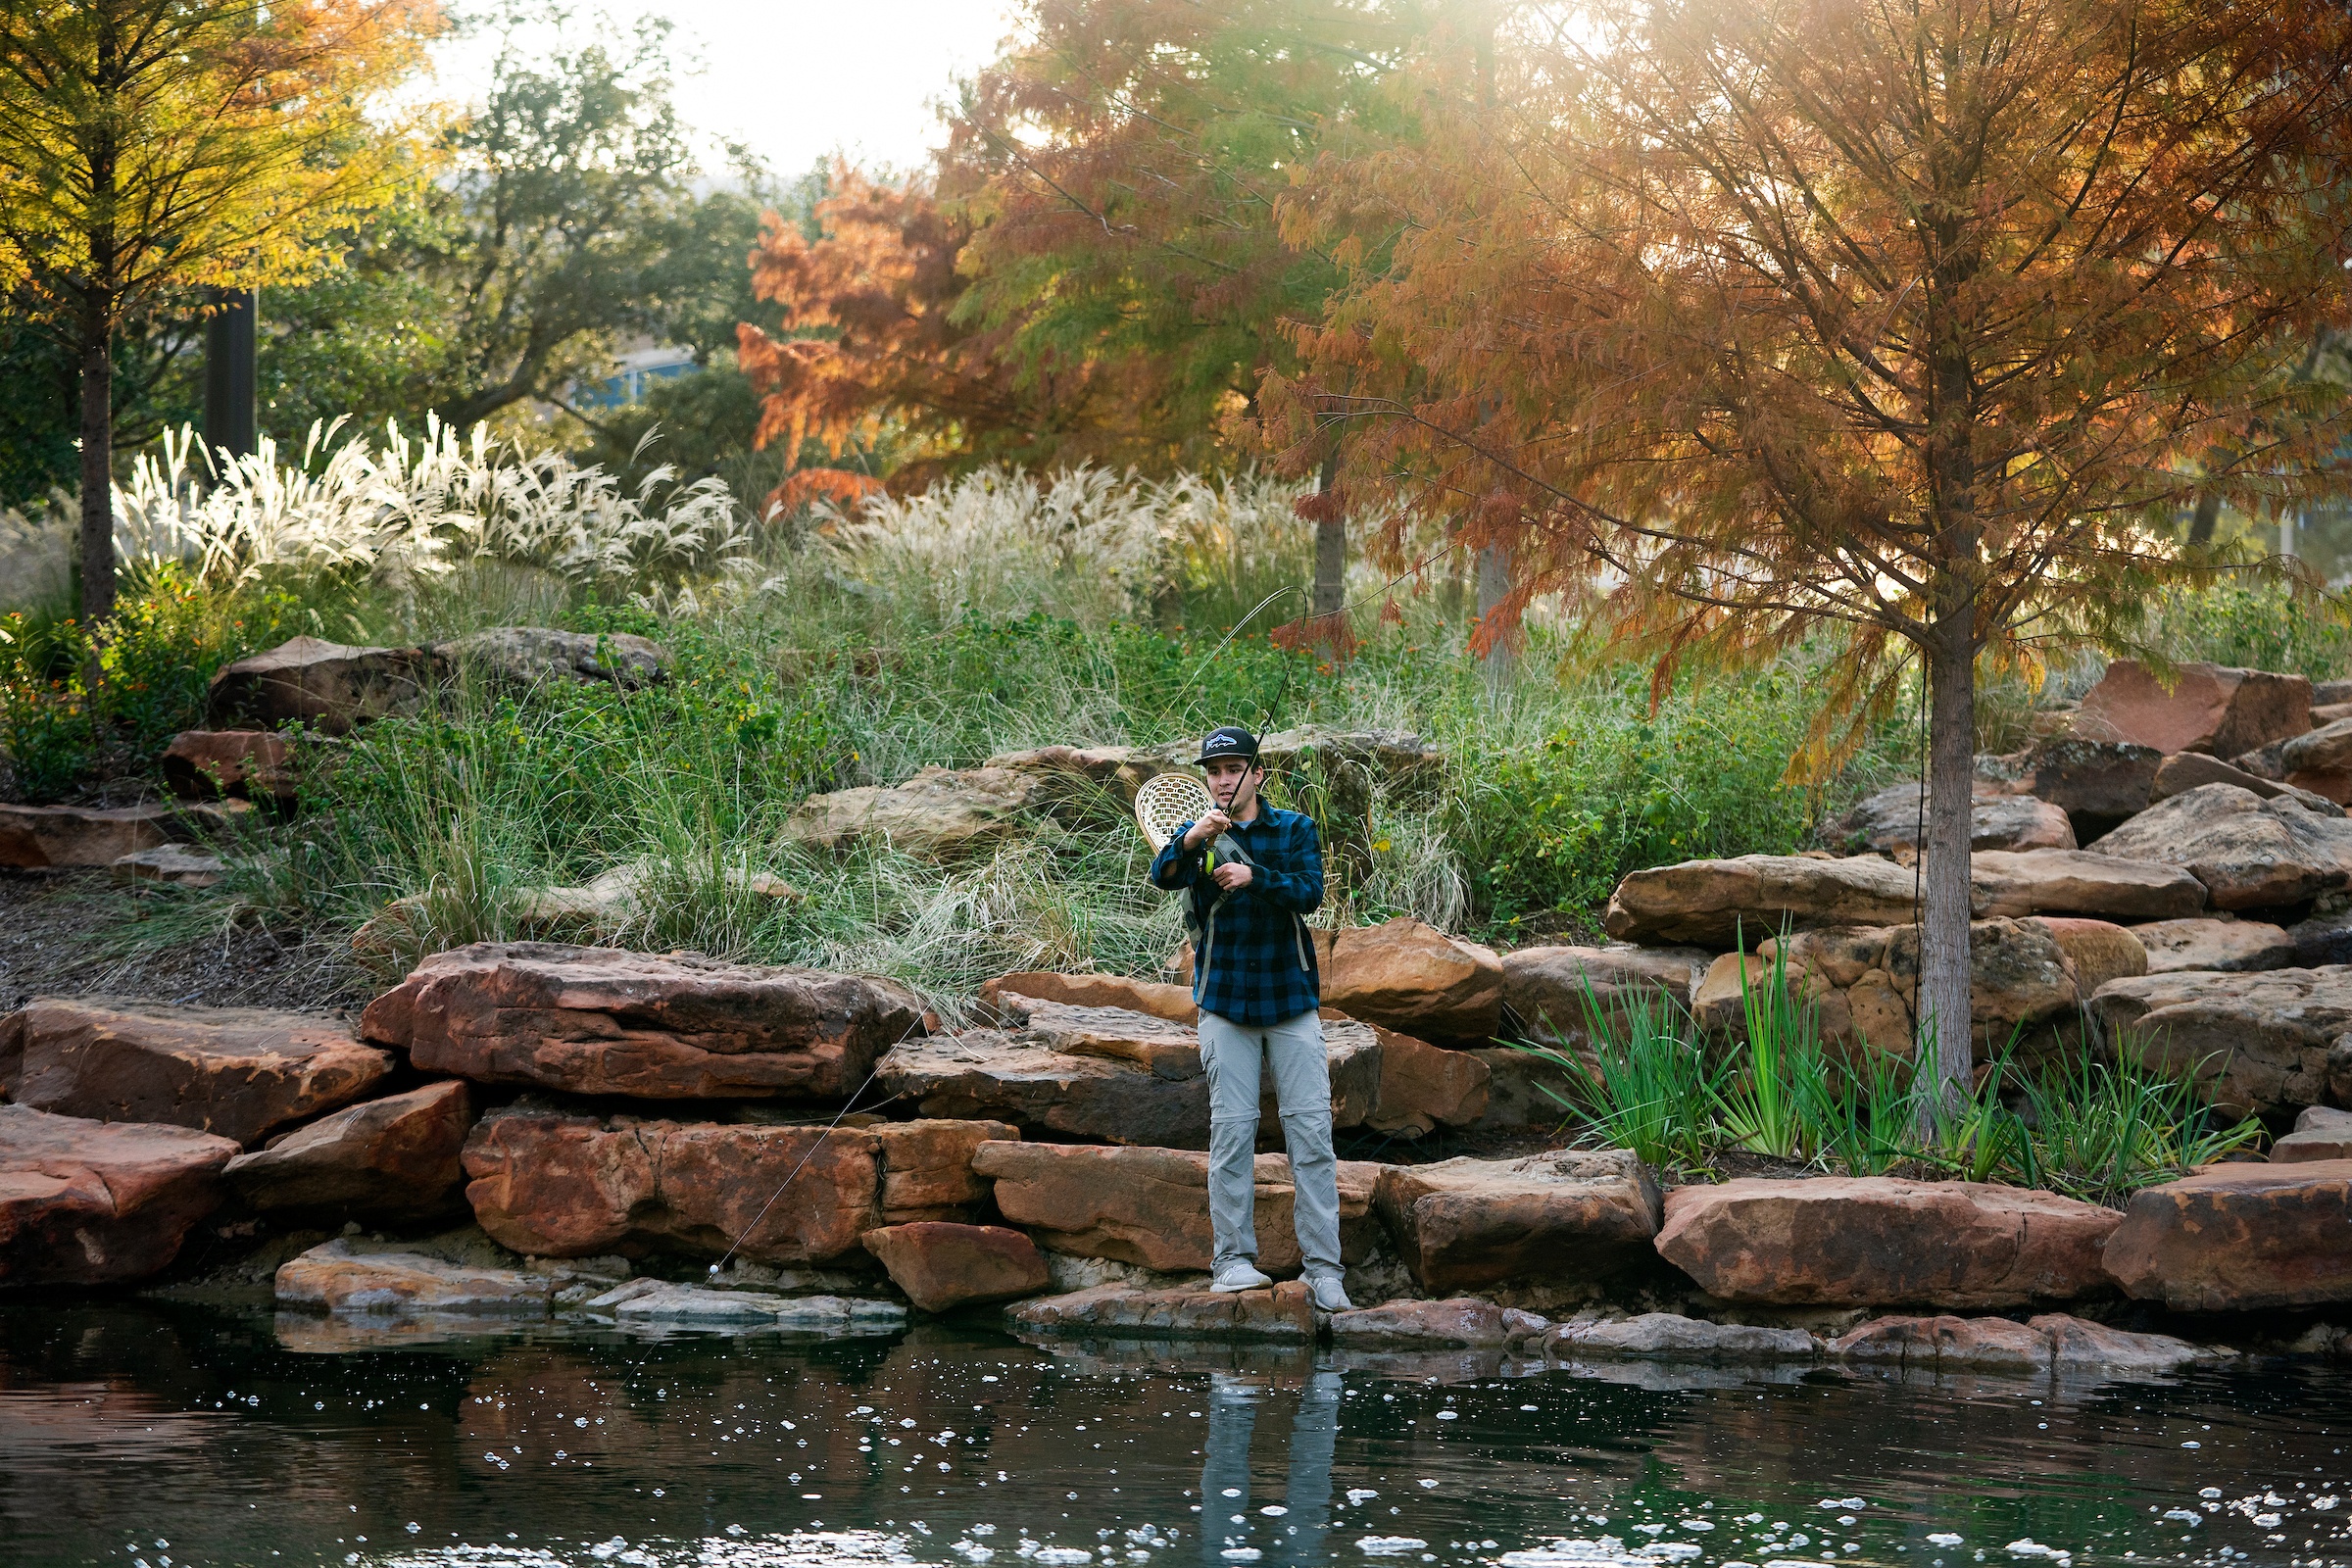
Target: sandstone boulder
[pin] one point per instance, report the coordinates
(553, 1184)
(1881, 1241)
(2188, 771)
(2256, 1043)
(2096, 783)
(521, 656)
(202, 765)
(1105, 1073)
(1947, 1344)
(2080, 1349)
(1464, 1321)
(1889, 823)
(2249, 853)
(89, 1202)
(394, 1159)
(937, 811)
(1412, 978)
(2099, 882)
(2239, 1238)
(1563, 1217)
(240, 1072)
(2223, 944)
(343, 1278)
(610, 903)
(1154, 998)
(43, 838)
(1423, 1087)
(1150, 1205)
(2321, 1133)
(940, 1265)
(1740, 902)
(600, 1021)
(328, 686)
(1551, 990)
(2323, 938)
(1671, 1336)
(1115, 772)
(1119, 1311)
(2212, 708)
(1525, 1091)
(2328, 749)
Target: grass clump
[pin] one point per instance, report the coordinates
(2078, 1122)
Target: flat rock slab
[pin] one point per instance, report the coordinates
(1150, 1205)
(1554, 990)
(1890, 822)
(942, 1267)
(532, 655)
(2053, 1344)
(2213, 708)
(2249, 853)
(601, 1022)
(2222, 944)
(2099, 882)
(240, 1072)
(1671, 1336)
(1118, 1311)
(330, 687)
(394, 1159)
(45, 838)
(89, 1202)
(2256, 1043)
(1412, 978)
(2321, 1133)
(937, 811)
(554, 1183)
(338, 1277)
(1561, 1217)
(173, 865)
(2188, 771)
(647, 1303)
(1878, 1241)
(1153, 998)
(1465, 1321)
(1105, 1073)
(204, 765)
(2239, 1238)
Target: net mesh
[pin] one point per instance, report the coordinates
(1166, 801)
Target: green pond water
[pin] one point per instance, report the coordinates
(147, 1436)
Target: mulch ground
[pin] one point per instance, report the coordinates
(76, 934)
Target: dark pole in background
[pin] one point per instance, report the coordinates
(228, 371)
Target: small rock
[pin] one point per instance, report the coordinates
(202, 765)
(941, 1266)
(1115, 1311)
(43, 838)
(937, 811)
(1947, 1344)
(1670, 1336)
(347, 1277)
(2321, 1133)
(1464, 1320)
(2082, 1349)
(529, 655)
(174, 864)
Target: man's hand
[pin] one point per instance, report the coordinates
(1211, 825)
(1232, 876)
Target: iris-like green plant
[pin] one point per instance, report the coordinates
(1648, 1087)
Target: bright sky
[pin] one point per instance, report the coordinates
(800, 80)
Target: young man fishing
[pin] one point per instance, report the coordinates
(1252, 875)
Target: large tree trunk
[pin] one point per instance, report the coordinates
(1947, 1031)
(1331, 544)
(1493, 584)
(97, 468)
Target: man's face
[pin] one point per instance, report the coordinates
(1226, 776)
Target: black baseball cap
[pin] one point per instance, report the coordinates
(1230, 741)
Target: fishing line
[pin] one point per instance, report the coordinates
(830, 1126)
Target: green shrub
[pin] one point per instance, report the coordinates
(2256, 625)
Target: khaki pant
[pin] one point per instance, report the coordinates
(1231, 1056)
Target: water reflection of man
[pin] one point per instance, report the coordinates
(1227, 1520)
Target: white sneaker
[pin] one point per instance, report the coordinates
(1239, 1275)
(1330, 1294)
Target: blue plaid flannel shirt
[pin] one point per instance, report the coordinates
(1261, 963)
